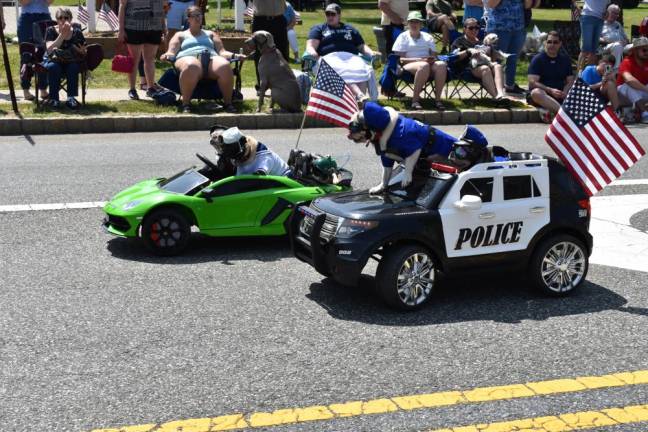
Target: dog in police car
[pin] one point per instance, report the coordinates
(274, 74)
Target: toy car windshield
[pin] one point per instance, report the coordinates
(426, 188)
(184, 182)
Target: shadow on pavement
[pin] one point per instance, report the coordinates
(458, 300)
(202, 249)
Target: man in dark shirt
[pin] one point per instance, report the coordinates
(334, 36)
(550, 76)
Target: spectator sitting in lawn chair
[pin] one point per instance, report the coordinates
(66, 49)
(491, 74)
(550, 77)
(613, 37)
(197, 54)
(340, 45)
(417, 52)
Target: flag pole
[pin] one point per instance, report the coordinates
(304, 117)
(5, 58)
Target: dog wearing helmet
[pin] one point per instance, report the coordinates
(397, 138)
(247, 154)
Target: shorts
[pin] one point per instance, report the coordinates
(432, 24)
(631, 94)
(141, 37)
(529, 100)
(177, 15)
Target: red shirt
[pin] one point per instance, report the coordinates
(629, 64)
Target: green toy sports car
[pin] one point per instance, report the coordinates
(162, 211)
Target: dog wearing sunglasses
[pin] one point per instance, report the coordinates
(274, 74)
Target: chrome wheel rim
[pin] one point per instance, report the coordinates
(563, 267)
(415, 279)
(166, 233)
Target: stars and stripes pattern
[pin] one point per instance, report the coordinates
(331, 99)
(106, 14)
(589, 138)
(82, 15)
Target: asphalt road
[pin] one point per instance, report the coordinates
(97, 333)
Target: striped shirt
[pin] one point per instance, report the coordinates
(144, 15)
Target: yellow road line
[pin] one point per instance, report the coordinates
(386, 405)
(564, 422)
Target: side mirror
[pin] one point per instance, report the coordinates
(469, 202)
(207, 194)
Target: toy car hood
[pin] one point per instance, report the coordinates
(362, 205)
(142, 194)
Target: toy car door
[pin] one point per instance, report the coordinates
(235, 202)
(494, 211)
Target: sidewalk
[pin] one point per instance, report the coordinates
(11, 125)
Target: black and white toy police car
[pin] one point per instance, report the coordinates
(526, 213)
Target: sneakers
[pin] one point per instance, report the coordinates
(73, 104)
(132, 94)
(515, 89)
(186, 109)
(230, 109)
(52, 103)
(150, 92)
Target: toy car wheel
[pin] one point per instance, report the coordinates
(559, 265)
(406, 276)
(166, 232)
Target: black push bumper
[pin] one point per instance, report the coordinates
(323, 256)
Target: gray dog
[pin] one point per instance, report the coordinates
(274, 74)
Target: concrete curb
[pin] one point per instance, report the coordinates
(187, 122)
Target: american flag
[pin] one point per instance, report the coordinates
(109, 17)
(249, 10)
(331, 99)
(82, 15)
(589, 138)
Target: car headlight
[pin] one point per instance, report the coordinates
(350, 227)
(131, 205)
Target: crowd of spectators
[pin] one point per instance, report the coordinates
(609, 62)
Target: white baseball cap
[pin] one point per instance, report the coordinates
(232, 135)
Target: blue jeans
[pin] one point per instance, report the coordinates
(591, 28)
(26, 34)
(54, 72)
(511, 42)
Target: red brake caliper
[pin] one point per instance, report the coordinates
(155, 233)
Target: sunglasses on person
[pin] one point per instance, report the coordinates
(64, 18)
(472, 28)
(331, 14)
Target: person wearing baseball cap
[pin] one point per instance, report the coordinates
(417, 52)
(342, 44)
(632, 80)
